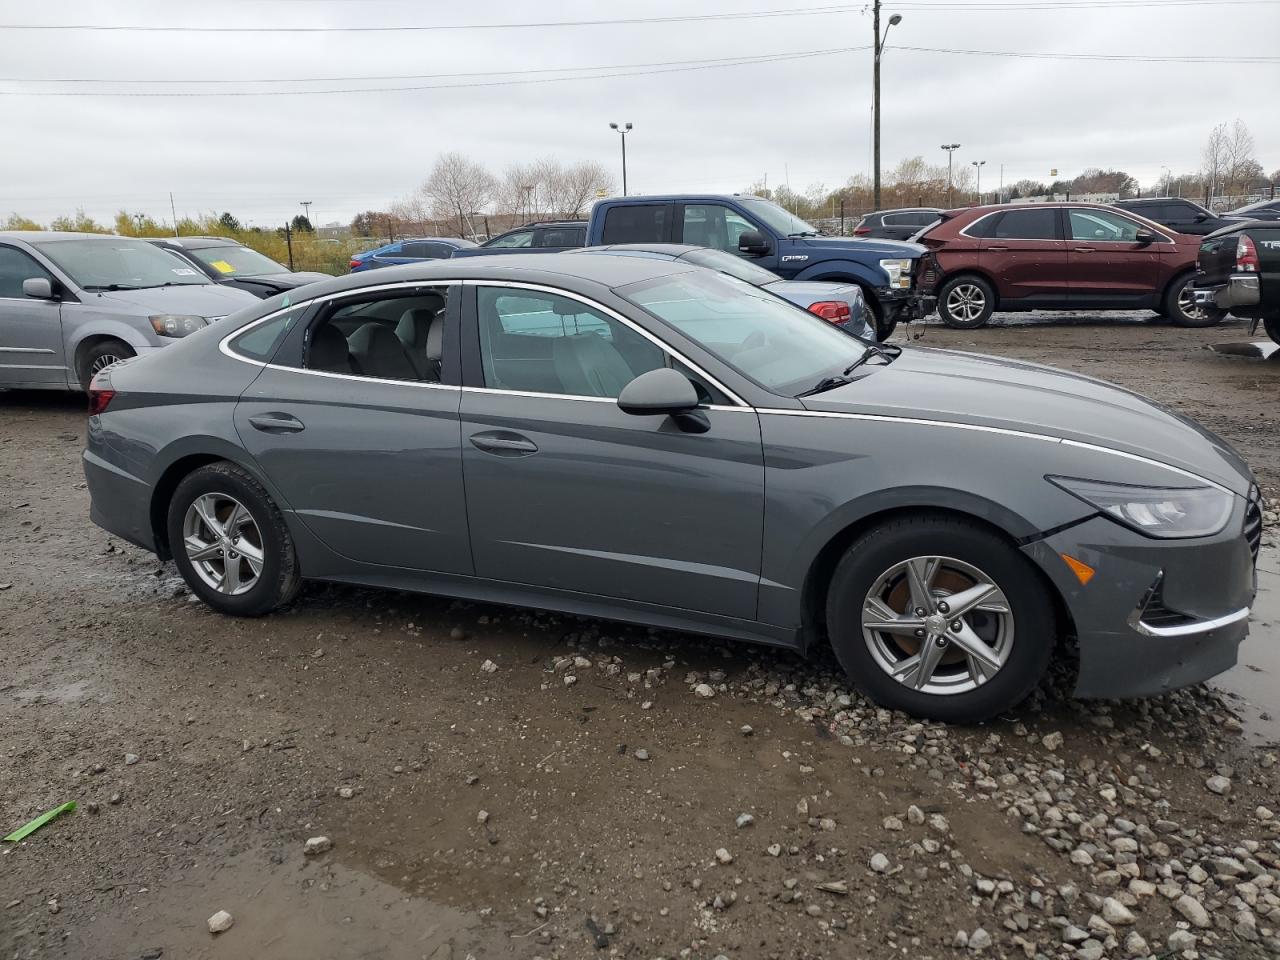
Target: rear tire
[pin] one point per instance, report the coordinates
(1271, 324)
(1179, 305)
(100, 356)
(966, 302)
(1011, 629)
(230, 543)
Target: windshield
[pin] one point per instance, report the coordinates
(1251, 207)
(778, 219)
(237, 261)
(733, 266)
(118, 263)
(779, 346)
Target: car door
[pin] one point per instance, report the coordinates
(1023, 250)
(355, 421)
(1110, 268)
(566, 491)
(31, 345)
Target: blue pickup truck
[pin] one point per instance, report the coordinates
(769, 236)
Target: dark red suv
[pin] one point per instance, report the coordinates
(1059, 256)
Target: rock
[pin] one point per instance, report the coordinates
(482, 817)
(813, 910)
(346, 793)
(642, 754)
(1116, 913)
(835, 886)
(489, 667)
(892, 823)
(939, 823)
(457, 633)
(1181, 940)
(746, 730)
(705, 691)
(115, 799)
(1193, 910)
(316, 846)
(1081, 857)
(1073, 934)
(879, 863)
(1052, 741)
(1219, 785)
(220, 922)
(724, 856)
(1262, 813)
(1135, 945)
(130, 759)
(744, 820)
(1090, 950)
(774, 850)
(979, 940)
(915, 815)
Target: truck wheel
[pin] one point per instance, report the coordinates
(1180, 305)
(966, 302)
(1271, 324)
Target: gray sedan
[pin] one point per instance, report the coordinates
(654, 442)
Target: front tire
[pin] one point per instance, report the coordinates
(940, 618)
(966, 302)
(1180, 305)
(230, 543)
(100, 356)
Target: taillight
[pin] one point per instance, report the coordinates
(861, 231)
(99, 399)
(834, 311)
(1246, 255)
(354, 263)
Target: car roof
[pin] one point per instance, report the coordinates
(44, 236)
(879, 213)
(681, 197)
(672, 250)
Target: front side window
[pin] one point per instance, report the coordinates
(780, 346)
(16, 266)
(119, 263)
(637, 223)
(543, 343)
(1099, 225)
(780, 220)
(713, 225)
(521, 238)
(389, 338)
(1031, 224)
(237, 261)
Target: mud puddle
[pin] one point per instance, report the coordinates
(1255, 679)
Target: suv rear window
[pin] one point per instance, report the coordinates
(637, 223)
(1033, 224)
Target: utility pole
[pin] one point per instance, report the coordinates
(950, 148)
(978, 165)
(875, 84)
(306, 210)
(623, 130)
(1000, 192)
(174, 211)
(288, 242)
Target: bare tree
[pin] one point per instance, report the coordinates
(457, 188)
(582, 183)
(1228, 159)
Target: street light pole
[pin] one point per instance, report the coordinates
(875, 84)
(950, 148)
(623, 130)
(978, 165)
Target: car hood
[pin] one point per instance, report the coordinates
(197, 299)
(899, 249)
(812, 288)
(944, 385)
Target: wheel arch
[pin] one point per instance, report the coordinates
(87, 343)
(990, 516)
(968, 271)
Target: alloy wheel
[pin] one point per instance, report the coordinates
(937, 625)
(966, 302)
(101, 363)
(1187, 302)
(223, 543)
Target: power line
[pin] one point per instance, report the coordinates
(1116, 57)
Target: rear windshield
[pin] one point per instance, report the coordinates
(118, 263)
(237, 261)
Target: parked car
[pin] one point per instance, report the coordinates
(409, 251)
(902, 224)
(1182, 216)
(1239, 271)
(73, 303)
(1262, 210)
(657, 443)
(229, 262)
(765, 234)
(546, 236)
(840, 304)
(1059, 256)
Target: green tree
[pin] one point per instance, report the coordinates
(80, 223)
(301, 224)
(228, 221)
(16, 221)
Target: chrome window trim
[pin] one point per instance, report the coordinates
(1000, 431)
(536, 395)
(656, 341)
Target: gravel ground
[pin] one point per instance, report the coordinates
(511, 783)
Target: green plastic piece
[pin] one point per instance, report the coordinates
(27, 829)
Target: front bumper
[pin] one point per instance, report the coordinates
(906, 305)
(1157, 614)
(1241, 290)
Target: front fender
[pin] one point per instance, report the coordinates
(106, 326)
(845, 271)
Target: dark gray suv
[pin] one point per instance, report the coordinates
(655, 442)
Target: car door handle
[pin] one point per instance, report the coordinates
(1084, 249)
(503, 443)
(276, 423)
(997, 248)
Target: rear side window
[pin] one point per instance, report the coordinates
(262, 341)
(1028, 225)
(16, 266)
(637, 223)
(562, 237)
(419, 250)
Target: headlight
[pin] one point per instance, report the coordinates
(176, 324)
(899, 272)
(1164, 512)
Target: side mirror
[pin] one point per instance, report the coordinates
(1144, 236)
(754, 243)
(660, 391)
(38, 288)
(1201, 217)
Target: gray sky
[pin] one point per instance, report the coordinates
(806, 121)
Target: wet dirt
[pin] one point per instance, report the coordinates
(506, 813)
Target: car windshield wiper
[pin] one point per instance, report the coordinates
(167, 283)
(826, 383)
(109, 286)
(873, 350)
